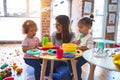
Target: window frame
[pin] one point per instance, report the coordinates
(21, 16)
(104, 22)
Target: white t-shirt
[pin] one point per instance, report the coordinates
(85, 41)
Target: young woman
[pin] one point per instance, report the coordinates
(63, 34)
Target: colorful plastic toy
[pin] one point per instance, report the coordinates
(19, 71)
(68, 55)
(74, 52)
(4, 66)
(116, 59)
(81, 35)
(48, 45)
(9, 78)
(34, 51)
(0, 77)
(69, 47)
(44, 41)
(14, 66)
(51, 51)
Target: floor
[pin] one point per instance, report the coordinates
(10, 53)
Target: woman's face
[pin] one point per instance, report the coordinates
(58, 27)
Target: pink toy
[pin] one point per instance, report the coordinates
(117, 45)
(59, 53)
(8, 78)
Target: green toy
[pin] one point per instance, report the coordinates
(0, 77)
(4, 66)
(44, 41)
(81, 35)
(101, 46)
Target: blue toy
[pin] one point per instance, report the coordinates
(68, 55)
(34, 51)
(51, 51)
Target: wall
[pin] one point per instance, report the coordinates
(111, 35)
(77, 12)
(76, 9)
(45, 16)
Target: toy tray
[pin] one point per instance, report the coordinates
(42, 48)
(34, 51)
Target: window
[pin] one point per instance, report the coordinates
(59, 7)
(99, 17)
(118, 27)
(1, 8)
(16, 12)
(16, 7)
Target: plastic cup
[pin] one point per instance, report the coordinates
(59, 53)
(101, 46)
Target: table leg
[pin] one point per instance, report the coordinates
(44, 64)
(73, 63)
(51, 70)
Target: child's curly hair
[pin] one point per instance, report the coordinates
(27, 25)
(87, 20)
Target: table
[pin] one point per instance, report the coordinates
(105, 62)
(47, 57)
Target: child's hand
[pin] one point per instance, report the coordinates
(77, 42)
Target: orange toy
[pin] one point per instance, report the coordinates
(19, 70)
(14, 66)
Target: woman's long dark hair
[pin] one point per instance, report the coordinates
(65, 36)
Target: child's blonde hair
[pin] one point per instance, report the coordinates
(27, 25)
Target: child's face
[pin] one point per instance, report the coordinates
(58, 27)
(83, 28)
(32, 32)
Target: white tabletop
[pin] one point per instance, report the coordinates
(105, 62)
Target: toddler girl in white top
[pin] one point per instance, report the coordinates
(84, 42)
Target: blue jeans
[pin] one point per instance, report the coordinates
(79, 63)
(36, 64)
(57, 64)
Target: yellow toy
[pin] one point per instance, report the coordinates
(48, 45)
(14, 66)
(69, 47)
(19, 70)
(116, 59)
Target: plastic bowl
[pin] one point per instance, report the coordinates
(34, 51)
(69, 47)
